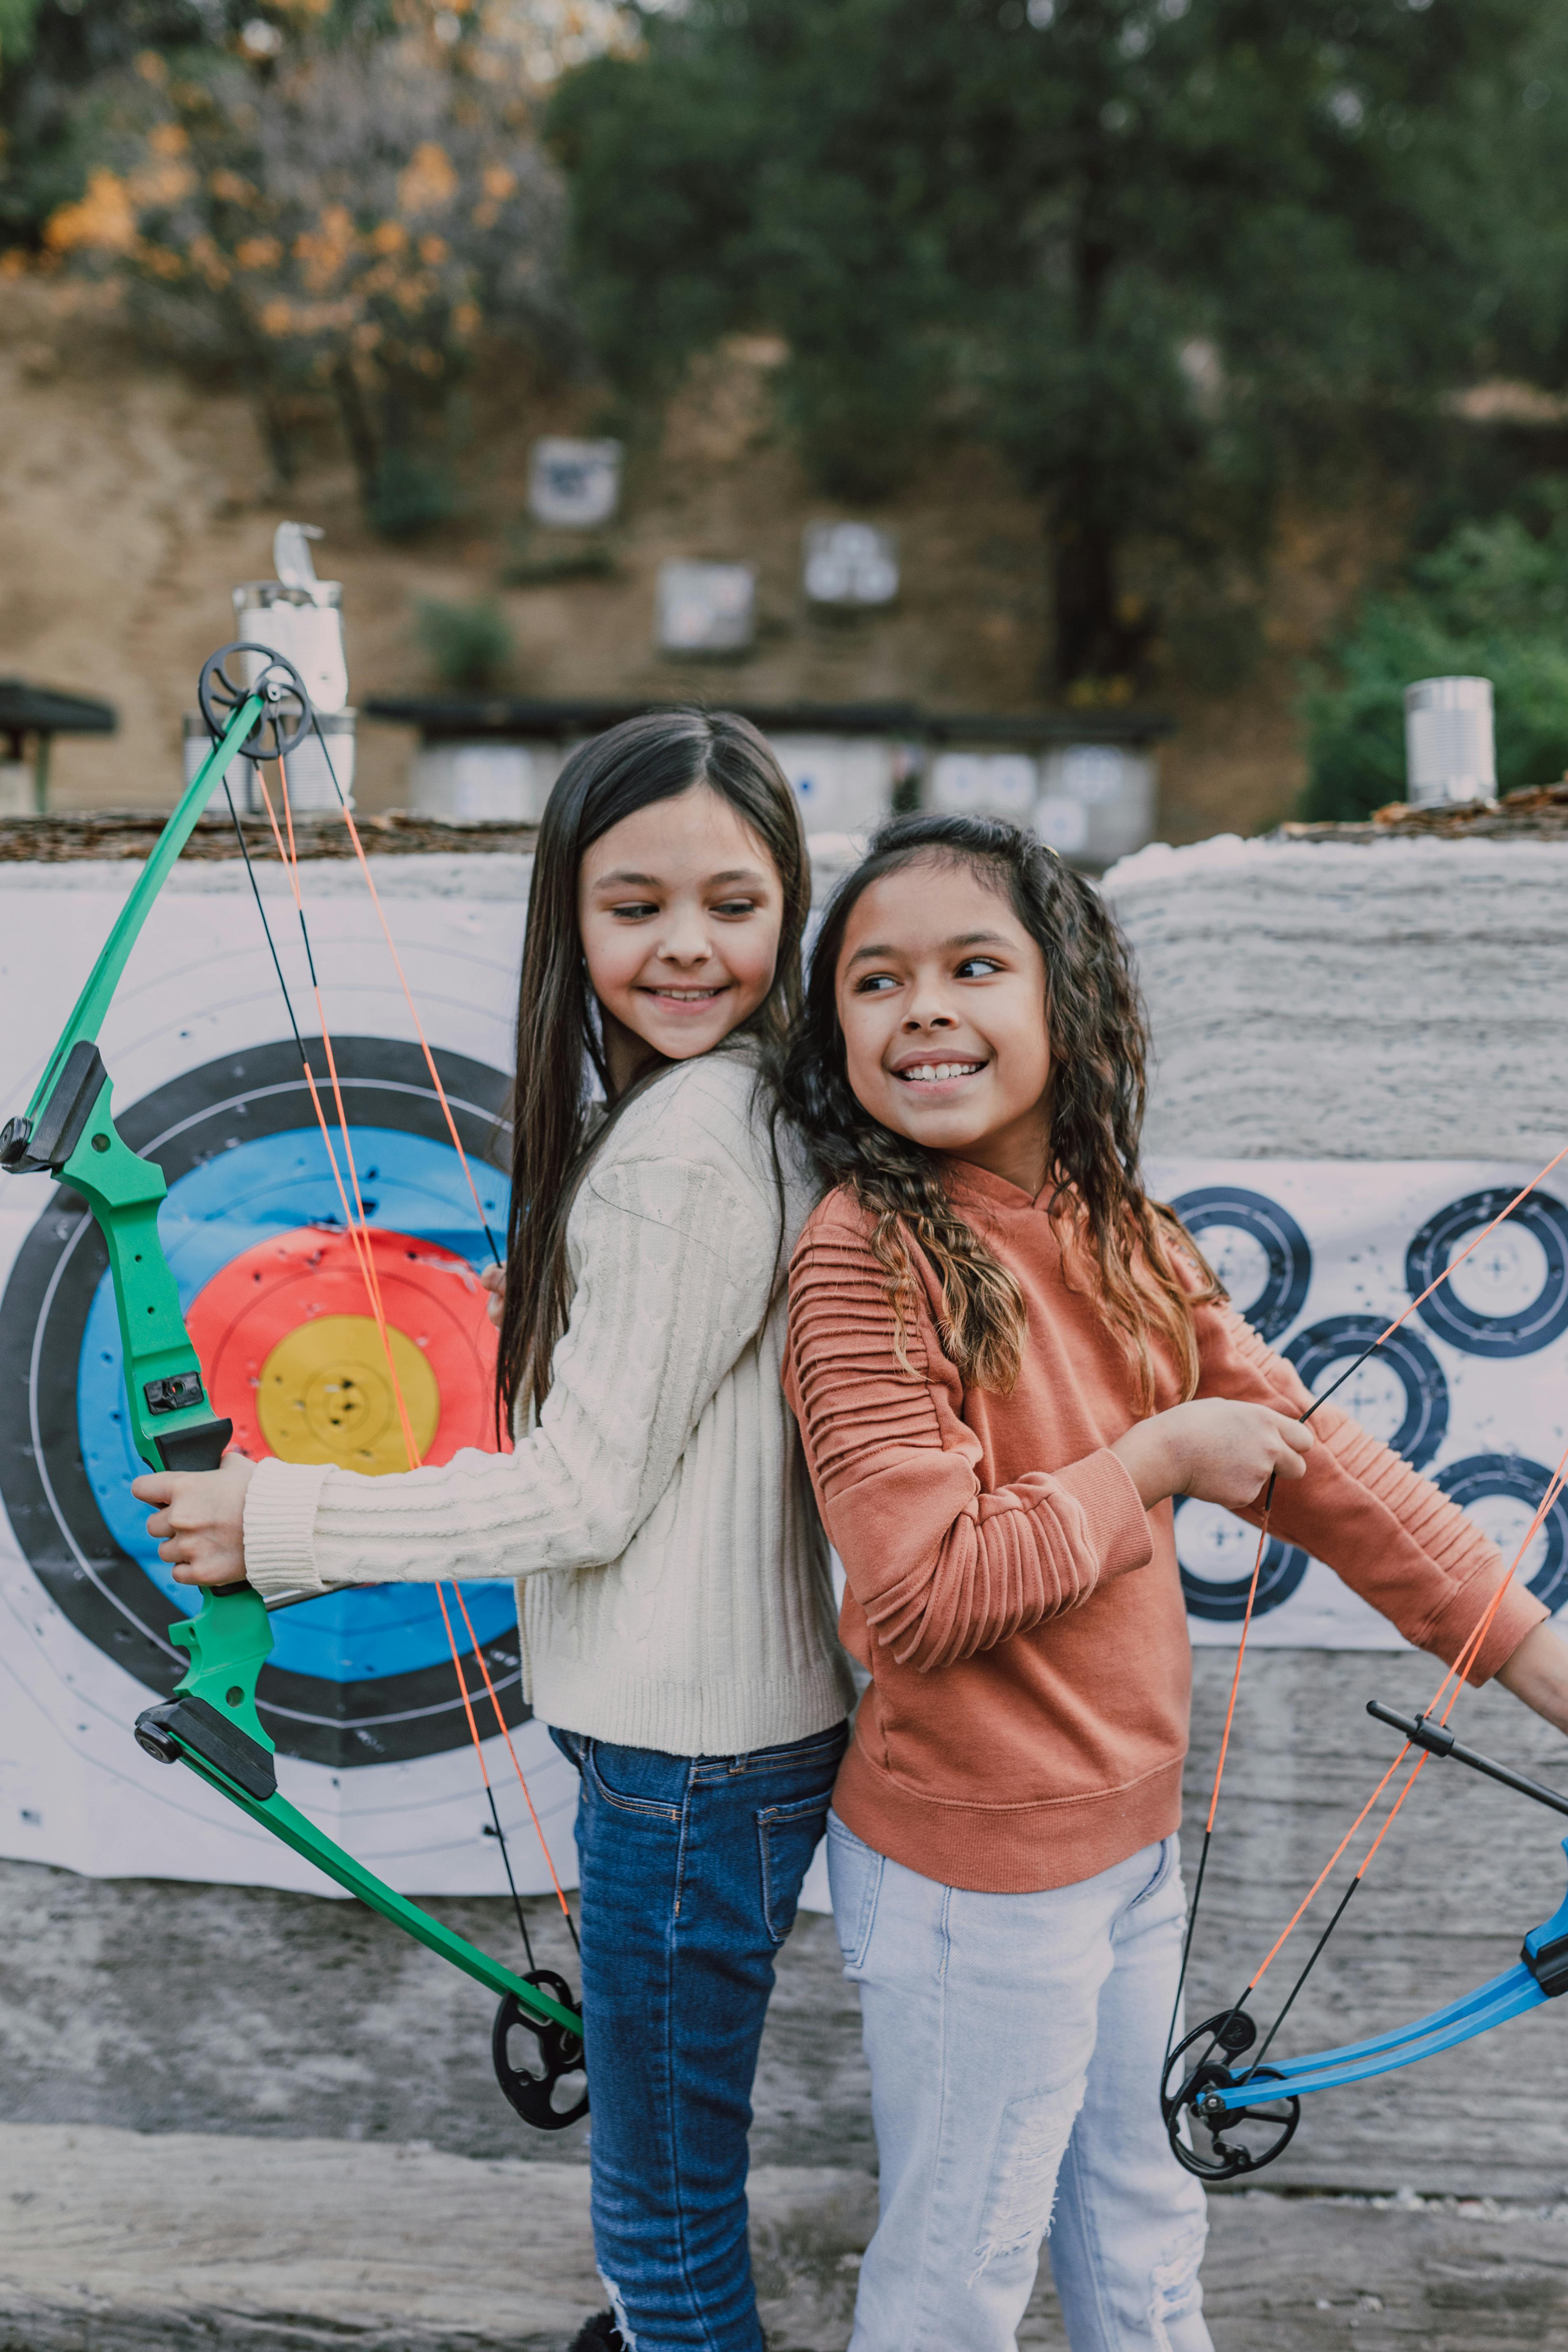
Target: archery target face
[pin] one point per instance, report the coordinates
(1473, 1390)
(361, 1695)
(276, 1306)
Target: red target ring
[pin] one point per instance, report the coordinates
(287, 1336)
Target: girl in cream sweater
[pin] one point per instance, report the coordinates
(673, 1594)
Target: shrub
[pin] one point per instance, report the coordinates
(1492, 602)
(468, 646)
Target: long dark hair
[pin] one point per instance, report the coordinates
(1099, 1045)
(559, 1050)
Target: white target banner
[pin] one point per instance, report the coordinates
(360, 1695)
(1320, 1256)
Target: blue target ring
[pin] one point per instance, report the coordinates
(1448, 1316)
(1482, 1475)
(364, 1677)
(272, 1186)
(1340, 1338)
(1286, 1249)
(1222, 1600)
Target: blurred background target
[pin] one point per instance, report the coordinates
(277, 1306)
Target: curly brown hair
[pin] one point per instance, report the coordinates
(1100, 1044)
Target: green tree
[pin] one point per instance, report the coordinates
(52, 55)
(1159, 250)
(336, 200)
(1492, 602)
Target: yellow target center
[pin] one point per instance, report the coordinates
(325, 1395)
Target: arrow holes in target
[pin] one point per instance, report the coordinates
(1215, 1551)
(1509, 1296)
(277, 1304)
(1502, 1492)
(1398, 1395)
(1257, 1250)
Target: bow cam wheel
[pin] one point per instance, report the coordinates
(288, 718)
(1208, 2137)
(556, 2057)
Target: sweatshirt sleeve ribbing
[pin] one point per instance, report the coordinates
(677, 1267)
(941, 1567)
(1394, 1536)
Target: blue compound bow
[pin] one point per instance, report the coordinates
(1225, 2117)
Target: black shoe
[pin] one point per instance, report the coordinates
(599, 2333)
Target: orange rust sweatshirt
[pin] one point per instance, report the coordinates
(1019, 1612)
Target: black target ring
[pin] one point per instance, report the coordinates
(1341, 1338)
(1480, 1477)
(48, 1498)
(1446, 1314)
(1285, 1247)
(1222, 1600)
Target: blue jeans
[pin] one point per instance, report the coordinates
(690, 1871)
(1015, 2043)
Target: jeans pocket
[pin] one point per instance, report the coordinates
(787, 1837)
(855, 1875)
(641, 1780)
(1167, 1861)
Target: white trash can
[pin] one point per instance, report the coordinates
(1450, 748)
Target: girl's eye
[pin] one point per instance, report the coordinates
(977, 968)
(736, 907)
(872, 984)
(634, 909)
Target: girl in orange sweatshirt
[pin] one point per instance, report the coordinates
(1005, 1360)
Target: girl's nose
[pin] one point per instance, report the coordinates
(929, 1016)
(686, 940)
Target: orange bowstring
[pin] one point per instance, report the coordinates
(348, 816)
(1454, 1676)
(358, 1227)
(358, 1230)
(1456, 1673)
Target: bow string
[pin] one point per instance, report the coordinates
(212, 1723)
(1209, 2088)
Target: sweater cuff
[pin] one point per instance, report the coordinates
(1102, 1487)
(280, 1525)
(1519, 1612)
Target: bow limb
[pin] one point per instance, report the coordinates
(211, 1723)
(69, 1132)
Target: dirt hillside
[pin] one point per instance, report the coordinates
(131, 499)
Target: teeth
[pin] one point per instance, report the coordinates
(937, 1070)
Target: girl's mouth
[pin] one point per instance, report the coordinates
(936, 1074)
(683, 1000)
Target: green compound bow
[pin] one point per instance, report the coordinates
(211, 1723)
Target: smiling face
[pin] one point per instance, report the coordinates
(679, 907)
(941, 995)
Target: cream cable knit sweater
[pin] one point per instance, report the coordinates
(673, 1590)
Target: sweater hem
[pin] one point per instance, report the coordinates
(1026, 1849)
(735, 1721)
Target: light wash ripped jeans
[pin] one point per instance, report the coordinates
(1014, 2042)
